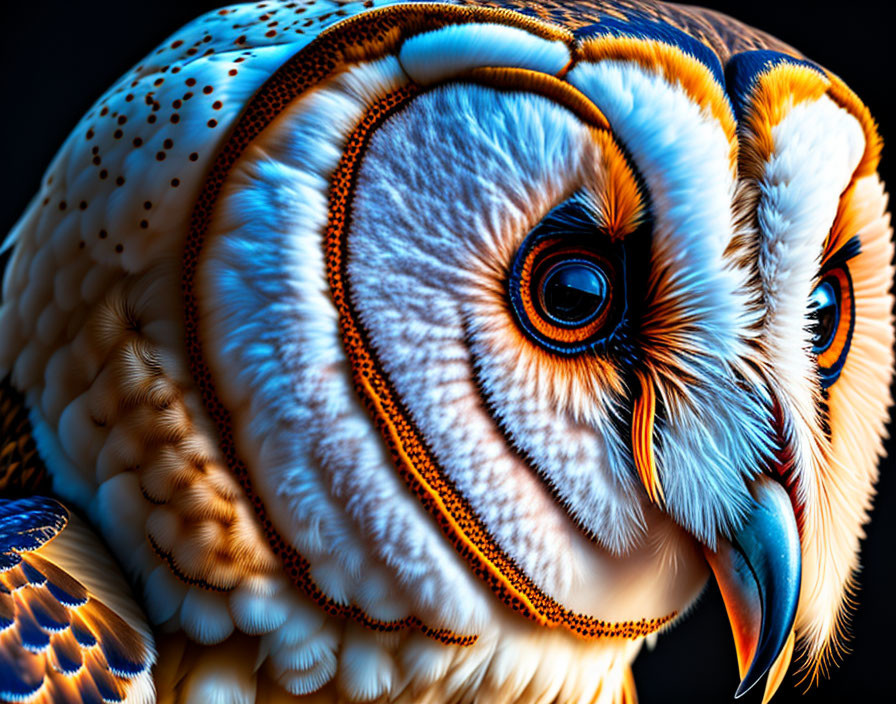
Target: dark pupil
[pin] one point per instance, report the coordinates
(825, 303)
(574, 292)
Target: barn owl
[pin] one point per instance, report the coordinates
(440, 352)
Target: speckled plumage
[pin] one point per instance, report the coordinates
(258, 318)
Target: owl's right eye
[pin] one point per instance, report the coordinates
(833, 319)
(566, 286)
(825, 306)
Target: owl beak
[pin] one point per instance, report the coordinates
(758, 571)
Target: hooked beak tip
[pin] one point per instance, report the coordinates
(758, 571)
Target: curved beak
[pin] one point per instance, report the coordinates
(758, 571)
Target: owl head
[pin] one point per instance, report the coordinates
(536, 314)
(615, 298)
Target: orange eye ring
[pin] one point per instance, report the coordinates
(542, 260)
(566, 286)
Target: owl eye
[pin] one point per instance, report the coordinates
(573, 292)
(833, 318)
(825, 306)
(566, 285)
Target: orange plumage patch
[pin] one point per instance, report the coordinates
(622, 206)
(841, 94)
(519, 79)
(776, 93)
(643, 414)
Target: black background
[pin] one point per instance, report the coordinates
(58, 57)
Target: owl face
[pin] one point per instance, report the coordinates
(496, 317)
(612, 312)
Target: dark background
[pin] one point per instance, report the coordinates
(58, 57)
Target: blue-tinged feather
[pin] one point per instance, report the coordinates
(744, 69)
(26, 524)
(645, 28)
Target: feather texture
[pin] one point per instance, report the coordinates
(258, 325)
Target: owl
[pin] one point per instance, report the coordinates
(407, 352)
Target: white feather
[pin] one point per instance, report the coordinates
(204, 616)
(258, 604)
(456, 49)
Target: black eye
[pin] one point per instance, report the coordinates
(573, 292)
(825, 314)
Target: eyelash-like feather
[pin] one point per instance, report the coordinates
(851, 249)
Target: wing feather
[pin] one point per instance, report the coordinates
(58, 641)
